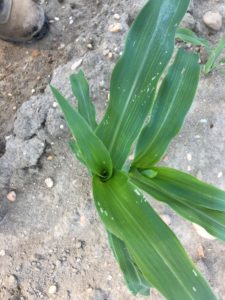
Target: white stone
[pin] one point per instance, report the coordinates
(115, 27)
(11, 196)
(2, 252)
(52, 289)
(116, 17)
(49, 182)
(213, 20)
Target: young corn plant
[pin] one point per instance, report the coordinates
(147, 251)
(215, 58)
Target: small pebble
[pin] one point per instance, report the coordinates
(49, 182)
(110, 55)
(189, 157)
(116, 17)
(2, 252)
(78, 244)
(106, 52)
(13, 282)
(200, 251)
(220, 174)
(52, 289)
(11, 196)
(90, 46)
(213, 20)
(56, 18)
(110, 277)
(50, 158)
(117, 27)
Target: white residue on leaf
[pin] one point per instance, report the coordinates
(194, 289)
(195, 273)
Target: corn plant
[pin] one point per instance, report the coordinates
(150, 95)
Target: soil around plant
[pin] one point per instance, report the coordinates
(52, 244)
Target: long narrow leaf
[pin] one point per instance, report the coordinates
(212, 220)
(93, 151)
(148, 49)
(132, 275)
(188, 36)
(80, 90)
(189, 189)
(154, 248)
(214, 55)
(174, 99)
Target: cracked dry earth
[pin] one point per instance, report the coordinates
(52, 245)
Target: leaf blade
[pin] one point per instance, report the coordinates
(91, 147)
(80, 90)
(175, 97)
(132, 275)
(155, 249)
(148, 49)
(212, 220)
(188, 36)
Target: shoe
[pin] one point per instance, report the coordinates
(22, 20)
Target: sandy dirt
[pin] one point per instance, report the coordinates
(51, 239)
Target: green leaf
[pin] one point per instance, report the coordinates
(174, 99)
(148, 50)
(132, 275)
(189, 189)
(188, 36)
(93, 151)
(214, 55)
(80, 90)
(182, 198)
(75, 149)
(153, 246)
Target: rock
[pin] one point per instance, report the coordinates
(31, 117)
(116, 16)
(213, 20)
(52, 289)
(13, 282)
(200, 252)
(49, 182)
(117, 27)
(11, 196)
(54, 124)
(23, 154)
(2, 252)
